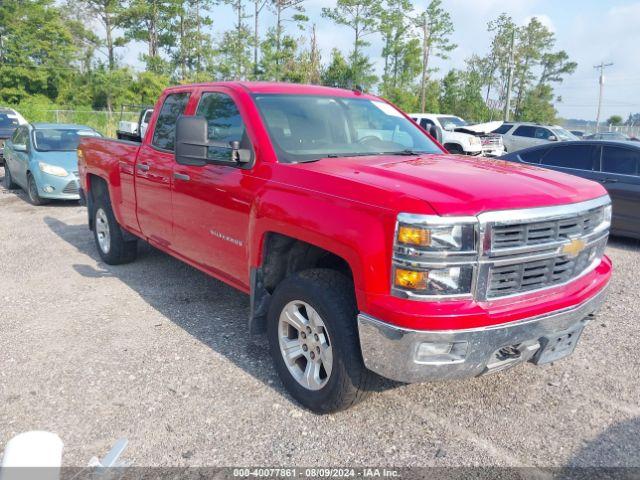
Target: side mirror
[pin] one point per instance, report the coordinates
(194, 148)
(552, 138)
(19, 147)
(449, 126)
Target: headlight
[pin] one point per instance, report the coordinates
(475, 141)
(435, 281)
(434, 256)
(606, 213)
(415, 232)
(52, 169)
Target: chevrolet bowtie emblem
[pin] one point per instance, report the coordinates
(573, 248)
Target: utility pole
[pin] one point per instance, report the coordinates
(507, 104)
(602, 66)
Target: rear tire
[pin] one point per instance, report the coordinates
(109, 237)
(32, 192)
(326, 298)
(8, 182)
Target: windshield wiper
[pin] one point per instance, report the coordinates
(407, 152)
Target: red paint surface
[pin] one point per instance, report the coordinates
(347, 206)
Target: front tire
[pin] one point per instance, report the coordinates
(314, 340)
(8, 182)
(32, 192)
(455, 150)
(109, 237)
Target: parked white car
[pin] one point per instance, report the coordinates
(516, 136)
(459, 137)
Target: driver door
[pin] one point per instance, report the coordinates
(211, 203)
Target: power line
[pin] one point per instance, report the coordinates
(602, 66)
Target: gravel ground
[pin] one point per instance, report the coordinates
(158, 352)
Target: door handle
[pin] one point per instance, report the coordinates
(143, 167)
(181, 176)
(609, 180)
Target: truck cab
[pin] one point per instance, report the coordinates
(363, 246)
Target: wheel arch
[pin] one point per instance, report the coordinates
(281, 256)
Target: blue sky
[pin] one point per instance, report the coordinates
(589, 30)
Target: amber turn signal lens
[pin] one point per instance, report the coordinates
(414, 236)
(411, 279)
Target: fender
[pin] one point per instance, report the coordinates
(357, 233)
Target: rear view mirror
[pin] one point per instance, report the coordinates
(194, 148)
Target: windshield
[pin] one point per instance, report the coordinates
(563, 134)
(306, 128)
(60, 140)
(8, 121)
(451, 122)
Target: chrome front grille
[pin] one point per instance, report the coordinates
(491, 141)
(538, 274)
(539, 233)
(534, 249)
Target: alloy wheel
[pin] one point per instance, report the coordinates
(305, 345)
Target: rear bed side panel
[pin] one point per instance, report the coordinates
(114, 161)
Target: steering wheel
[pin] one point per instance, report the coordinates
(368, 138)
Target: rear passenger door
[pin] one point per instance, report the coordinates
(620, 169)
(521, 137)
(153, 173)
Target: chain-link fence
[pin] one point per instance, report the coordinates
(104, 122)
(632, 131)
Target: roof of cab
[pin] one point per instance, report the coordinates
(280, 88)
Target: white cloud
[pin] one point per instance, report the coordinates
(543, 19)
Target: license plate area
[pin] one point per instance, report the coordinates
(558, 346)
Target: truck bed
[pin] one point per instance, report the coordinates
(113, 161)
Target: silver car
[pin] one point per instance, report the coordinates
(517, 136)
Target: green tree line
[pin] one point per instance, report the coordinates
(52, 54)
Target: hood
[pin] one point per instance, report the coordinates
(451, 184)
(479, 128)
(66, 160)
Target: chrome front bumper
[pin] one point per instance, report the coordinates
(396, 353)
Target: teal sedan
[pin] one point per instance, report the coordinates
(41, 158)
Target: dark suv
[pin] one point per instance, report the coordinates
(614, 164)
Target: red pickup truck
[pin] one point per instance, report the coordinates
(364, 246)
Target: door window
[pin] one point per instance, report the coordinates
(502, 129)
(426, 123)
(225, 123)
(533, 156)
(164, 135)
(542, 133)
(525, 131)
(578, 157)
(623, 161)
(20, 136)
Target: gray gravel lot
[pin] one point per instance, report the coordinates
(158, 352)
